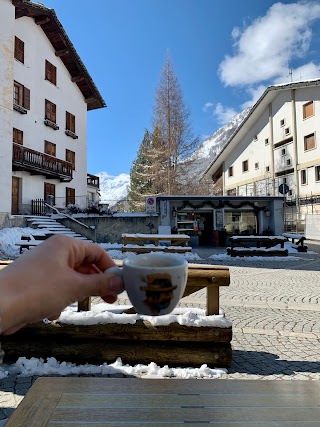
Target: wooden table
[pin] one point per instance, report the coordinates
(78, 402)
(142, 239)
(257, 245)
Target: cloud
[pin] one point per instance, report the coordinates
(207, 106)
(223, 114)
(264, 49)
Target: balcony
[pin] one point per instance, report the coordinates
(93, 181)
(37, 163)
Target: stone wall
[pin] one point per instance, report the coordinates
(110, 229)
(8, 220)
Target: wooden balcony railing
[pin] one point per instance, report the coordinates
(24, 158)
(93, 180)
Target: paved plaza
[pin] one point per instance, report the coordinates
(274, 307)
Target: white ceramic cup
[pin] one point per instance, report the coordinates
(154, 282)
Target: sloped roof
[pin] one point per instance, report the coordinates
(268, 96)
(63, 47)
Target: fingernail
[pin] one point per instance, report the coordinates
(116, 284)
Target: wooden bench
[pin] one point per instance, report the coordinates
(165, 249)
(141, 342)
(297, 241)
(156, 239)
(27, 241)
(257, 252)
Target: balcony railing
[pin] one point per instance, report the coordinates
(32, 161)
(93, 180)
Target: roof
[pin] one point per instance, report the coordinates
(267, 97)
(64, 49)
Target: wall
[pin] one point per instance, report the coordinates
(110, 229)
(6, 90)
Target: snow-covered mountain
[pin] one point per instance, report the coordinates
(115, 188)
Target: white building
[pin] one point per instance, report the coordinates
(45, 92)
(278, 143)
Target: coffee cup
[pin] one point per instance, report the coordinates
(154, 282)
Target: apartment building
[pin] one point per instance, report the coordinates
(276, 150)
(45, 93)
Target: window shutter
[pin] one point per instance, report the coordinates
(53, 112)
(73, 123)
(68, 121)
(26, 98)
(19, 49)
(308, 110)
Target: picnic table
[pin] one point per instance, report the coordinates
(257, 245)
(153, 402)
(297, 241)
(140, 243)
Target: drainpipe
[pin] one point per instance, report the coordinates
(295, 151)
(272, 151)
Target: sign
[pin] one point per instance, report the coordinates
(151, 204)
(283, 188)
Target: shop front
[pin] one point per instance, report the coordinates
(209, 221)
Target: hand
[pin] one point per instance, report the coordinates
(48, 278)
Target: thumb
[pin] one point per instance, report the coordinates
(109, 283)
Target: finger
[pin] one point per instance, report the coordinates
(100, 285)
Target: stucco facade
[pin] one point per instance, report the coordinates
(27, 167)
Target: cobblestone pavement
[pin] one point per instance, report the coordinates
(274, 307)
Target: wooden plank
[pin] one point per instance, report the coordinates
(93, 351)
(140, 331)
(132, 401)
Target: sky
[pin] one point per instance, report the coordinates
(224, 55)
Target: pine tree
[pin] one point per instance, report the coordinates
(141, 176)
(174, 133)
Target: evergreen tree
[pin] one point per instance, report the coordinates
(141, 176)
(173, 132)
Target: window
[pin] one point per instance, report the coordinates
(230, 171)
(17, 136)
(71, 157)
(256, 165)
(245, 166)
(70, 196)
(51, 73)
(21, 96)
(303, 176)
(49, 193)
(19, 49)
(282, 122)
(288, 162)
(309, 142)
(267, 168)
(284, 181)
(70, 122)
(290, 193)
(266, 141)
(283, 152)
(50, 111)
(232, 192)
(287, 131)
(50, 148)
(317, 173)
(308, 110)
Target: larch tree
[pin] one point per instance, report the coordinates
(171, 122)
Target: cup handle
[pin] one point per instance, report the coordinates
(114, 271)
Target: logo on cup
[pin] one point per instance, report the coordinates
(159, 292)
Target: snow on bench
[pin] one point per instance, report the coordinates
(146, 248)
(297, 241)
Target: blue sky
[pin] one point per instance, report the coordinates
(224, 55)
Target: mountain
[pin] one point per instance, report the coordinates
(115, 188)
(211, 147)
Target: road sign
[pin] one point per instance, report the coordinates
(151, 204)
(283, 188)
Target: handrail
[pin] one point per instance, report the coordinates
(92, 227)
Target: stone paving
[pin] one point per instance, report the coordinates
(274, 307)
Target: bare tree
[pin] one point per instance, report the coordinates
(173, 131)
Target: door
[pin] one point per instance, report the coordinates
(15, 195)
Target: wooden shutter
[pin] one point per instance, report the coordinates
(26, 98)
(50, 148)
(19, 49)
(308, 110)
(71, 157)
(70, 122)
(51, 73)
(309, 142)
(17, 136)
(70, 196)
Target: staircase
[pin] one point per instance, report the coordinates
(51, 226)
